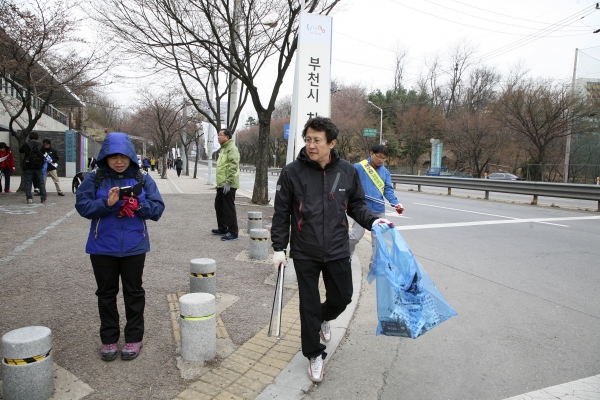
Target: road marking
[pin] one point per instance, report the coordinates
(174, 184)
(583, 389)
(501, 222)
(480, 213)
(32, 239)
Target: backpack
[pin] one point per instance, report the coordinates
(36, 159)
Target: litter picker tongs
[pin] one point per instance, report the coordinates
(278, 292)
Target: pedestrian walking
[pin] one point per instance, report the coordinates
(118, 199)
(152, 163)
(145, 163)
(313, 195)
(7, 166)
(178, 165)
(377, 184)
(33, 164)
(228, 181)
(51, 165)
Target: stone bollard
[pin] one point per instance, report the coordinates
(27, 366)
(254, 220)
(202, 276)
(259, 246)
(198, 326)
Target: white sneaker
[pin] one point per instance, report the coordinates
(315, 368)
(325, 331)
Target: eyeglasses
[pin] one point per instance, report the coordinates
(316, 141)
(382, 158)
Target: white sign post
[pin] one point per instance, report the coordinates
(312, 80)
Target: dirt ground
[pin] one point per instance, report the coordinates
(46, 279)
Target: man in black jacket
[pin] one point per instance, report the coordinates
(313, 195)
(52, 164)
(32, 175)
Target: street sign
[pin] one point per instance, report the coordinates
(286, 131)
(370, 132)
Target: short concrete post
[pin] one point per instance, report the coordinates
(198, 327)
(254, 220)
(259, 247)
(27, 365)
(203, 276)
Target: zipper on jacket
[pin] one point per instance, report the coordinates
(96, 230)
(300, 221)
(335, 183)
(145, 227)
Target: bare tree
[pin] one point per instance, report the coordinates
(400, 61)
(196, 35)
(459, 60)
(41, 62)
(161, 119)
(417, 126)
(541, 111)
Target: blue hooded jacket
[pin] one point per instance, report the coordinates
(371, 191)
(111, 235)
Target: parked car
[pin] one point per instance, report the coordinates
(504, 176)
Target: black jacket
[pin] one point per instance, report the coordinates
(315, 202)
(53, 154)
(178, 164)
(26, 150)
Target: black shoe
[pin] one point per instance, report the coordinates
(36, 193)
(229, 237)
(61, 194)
(218, 232)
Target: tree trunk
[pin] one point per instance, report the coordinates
(196, 163)
(261, 183)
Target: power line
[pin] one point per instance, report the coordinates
(373, 45)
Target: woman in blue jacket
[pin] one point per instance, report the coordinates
(118, 240)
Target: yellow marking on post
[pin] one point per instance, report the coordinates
(202, 275)
(259, 239)
(198, 318)
(28, 360)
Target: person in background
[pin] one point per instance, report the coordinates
(312, 197)
(178, 165)
(145, 163)
(51, 165)
(228, 181)
(7, 166)
(118, 239)
(152, 163)
(377, 184)
(32, 170)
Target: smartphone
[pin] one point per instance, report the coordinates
(125, 191)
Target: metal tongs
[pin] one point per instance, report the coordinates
(278, 291)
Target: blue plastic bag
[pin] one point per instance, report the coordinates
(408, 303)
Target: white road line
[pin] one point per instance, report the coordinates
(32, 239)
(174, 184)
(480, 213)
(500, 222)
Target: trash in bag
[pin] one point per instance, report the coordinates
(408, 303)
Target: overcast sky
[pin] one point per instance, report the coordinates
(540, 34)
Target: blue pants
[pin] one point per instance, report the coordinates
(34, 176)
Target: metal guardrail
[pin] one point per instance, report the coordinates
(535, 189)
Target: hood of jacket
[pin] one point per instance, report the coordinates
(303, 157)
(117, 142)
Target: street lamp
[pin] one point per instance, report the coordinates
(380, 121)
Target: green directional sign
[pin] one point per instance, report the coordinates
(370, 132)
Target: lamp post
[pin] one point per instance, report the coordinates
(380, 121)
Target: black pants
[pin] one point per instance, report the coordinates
(225, 208)
(107, 270)
(178, 171)
(6, 172)
(337, 276)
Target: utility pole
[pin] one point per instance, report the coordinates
(568, 146)
(210, 139)
(233, 94)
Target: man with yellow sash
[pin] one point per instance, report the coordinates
(377, 183)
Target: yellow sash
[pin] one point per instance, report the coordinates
(380, 184)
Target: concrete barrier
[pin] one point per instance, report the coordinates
(203, 276)
(254, 220)
(27, 365)
(198, 326)
(259, 246)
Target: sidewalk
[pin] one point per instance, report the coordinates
(260, 367)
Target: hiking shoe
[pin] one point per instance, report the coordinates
(61, 194)
(29, 201)
(218, 232)
(229, 237)
(43, 201)
(325, 331)
(7, 191)
(131, 350)
(315, 368)
(108, 352)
